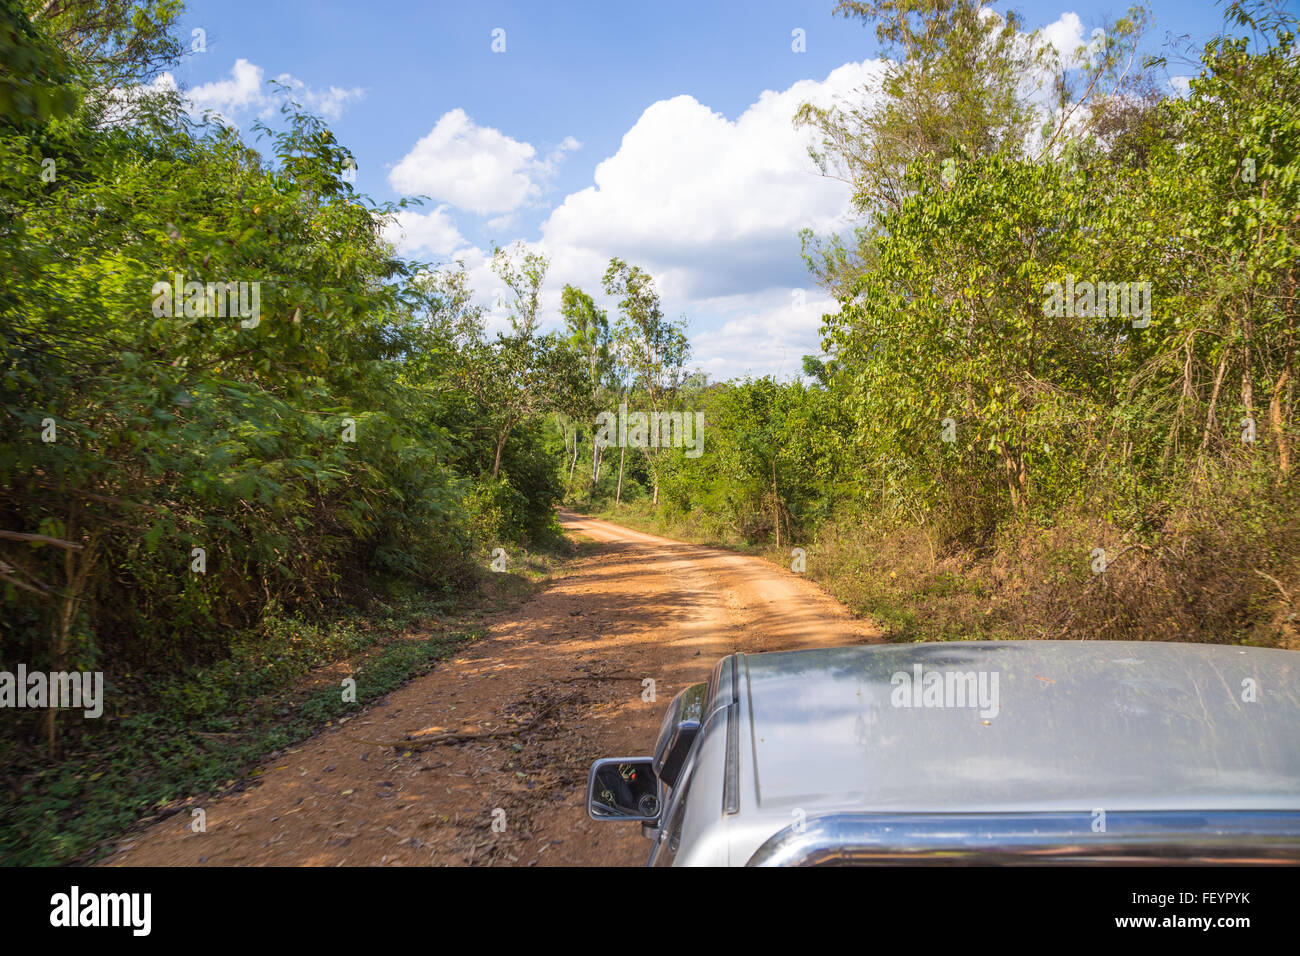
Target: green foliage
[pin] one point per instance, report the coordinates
(771, 460)
(175, 460)
(952, 325)
(33, 72)
(969, 442)
(200, 730)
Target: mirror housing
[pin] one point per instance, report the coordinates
(624, 790)
(680, 727)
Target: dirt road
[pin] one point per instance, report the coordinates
(558, 682)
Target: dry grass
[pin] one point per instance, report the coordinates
(1217, 568)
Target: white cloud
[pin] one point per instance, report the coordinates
(474, 167)
(1065, 35)
(503, 223)
(711, 205)
(328, 103)
(243, 90)
(246, 92)
(122, 103)
(557, 155)
(761, 334)
(421, 234)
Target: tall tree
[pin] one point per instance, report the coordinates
(961, 82)
(589, 334)
(653, 349)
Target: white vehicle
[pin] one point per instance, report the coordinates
(973, 752)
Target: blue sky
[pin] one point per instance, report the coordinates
(656, 132)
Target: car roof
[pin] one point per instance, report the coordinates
(1076, 725)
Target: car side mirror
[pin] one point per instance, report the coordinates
(680, 728)
(624, 789)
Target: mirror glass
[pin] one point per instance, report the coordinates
(624, 788)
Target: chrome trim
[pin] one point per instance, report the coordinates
(731, 770)
(1218, 837)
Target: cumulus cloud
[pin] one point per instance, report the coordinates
(710, 206)
(713, 204)
(246, 92)
(1065, 35)
(241, 91)
(474, 167)
(424, 234)
(558, 155)
(763, 333)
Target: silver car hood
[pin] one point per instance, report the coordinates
(1076, 726)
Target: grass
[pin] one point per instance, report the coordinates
(171, 741)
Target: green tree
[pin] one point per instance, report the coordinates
(589, 334)
(651, 349)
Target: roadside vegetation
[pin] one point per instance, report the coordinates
(1058, 397)
(243, 442)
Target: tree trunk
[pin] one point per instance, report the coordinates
(1184, 399)
(1280, 404)
(1247, 383)
(1014, 475)
(776, 507)
(654, 476)
(1275, 418)
(1210, 418)
(574, 464)
(501, 443)
(76, 570)
(618, 494)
